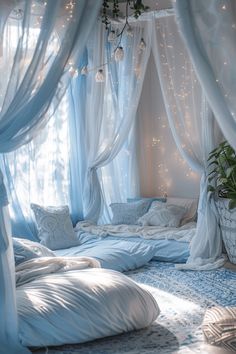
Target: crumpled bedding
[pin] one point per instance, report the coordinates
(39, 267)
(184, 233)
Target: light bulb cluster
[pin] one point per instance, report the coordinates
(117, 55)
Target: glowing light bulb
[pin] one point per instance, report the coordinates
(100, 77)
(119, 54)
(142, 44)
(111, 36)
(129, 31)
(84, 70)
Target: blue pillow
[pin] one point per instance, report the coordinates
(150, 199)
(55, 229)
(129, 213)
(24, 250)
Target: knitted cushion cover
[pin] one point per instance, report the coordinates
(219, 327)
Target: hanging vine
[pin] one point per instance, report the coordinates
(111, 9)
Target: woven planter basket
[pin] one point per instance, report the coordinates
(228, 227)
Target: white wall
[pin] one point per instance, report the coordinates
(162, 169)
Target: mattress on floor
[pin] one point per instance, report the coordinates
(127, 247)
(127, 254)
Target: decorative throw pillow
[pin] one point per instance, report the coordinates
(148, 199)
(55, 229)
(190, 205)
(219, 327)
(24, 250)
(128, 213)
(163, 215)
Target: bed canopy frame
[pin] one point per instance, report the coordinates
(26, 102)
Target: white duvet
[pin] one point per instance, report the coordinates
(39, 267)
(184, 233)
(75, 306)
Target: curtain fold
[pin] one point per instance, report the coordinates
(35, 77)
(115, 104)
(194, 130)
(208, 29)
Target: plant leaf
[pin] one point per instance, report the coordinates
(210, 188)
(232, 204)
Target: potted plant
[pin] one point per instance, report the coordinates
(222, 182)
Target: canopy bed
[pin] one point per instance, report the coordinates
(41, 307)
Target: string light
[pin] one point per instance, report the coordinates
(119, 54)
(129, 31)
(142, 44)
(84, 70)
(100, 77)
(112, 36)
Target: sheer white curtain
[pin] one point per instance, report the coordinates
(32, 77)
(194, 130)
(209, 31)
(39, 172)
(111, 115)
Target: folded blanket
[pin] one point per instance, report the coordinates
(184, 233)
(39, 267)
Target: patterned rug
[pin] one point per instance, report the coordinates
(183, 297)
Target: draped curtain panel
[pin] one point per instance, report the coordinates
(39, 172)
(35, 77)
(114, 104)
(209, 32)
(194, 130)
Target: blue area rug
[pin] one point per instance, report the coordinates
(183, 297)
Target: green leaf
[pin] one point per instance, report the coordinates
(213, 171)
(213, 163)
(231, 195)
(211, 178)
(230, 170)
(210, 188)
(232, 204)
(223, 180)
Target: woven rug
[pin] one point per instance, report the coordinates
(183, 297)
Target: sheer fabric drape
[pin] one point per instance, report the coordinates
(114, 105)
(194, 130)
(34, 78)
(209, 31)
(39, 172)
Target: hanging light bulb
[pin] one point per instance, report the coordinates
(100, 77)
(72, 71)
(142, 44)
(119, 54)
(129, 31)
(84, 70)
(111, 36)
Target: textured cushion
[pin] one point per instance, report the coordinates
(149, 199)
(163, 215)
(219, 327)
(190, 205)
(24, 250)
(128, 213)
(55, 229)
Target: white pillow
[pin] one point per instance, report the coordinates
(190, 205)
(80, 306)
(128, 213)
(25, 250)
(163, 215)
(54, 225)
